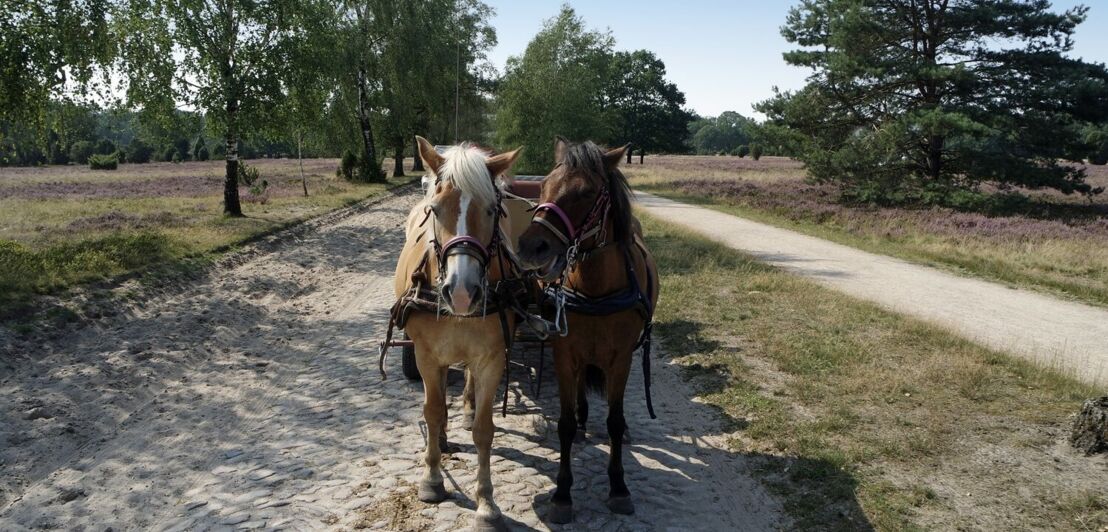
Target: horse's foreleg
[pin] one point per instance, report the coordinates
(582, 405)
(619, 497)
(431, 488)
(562, 512)
(467, 401)
(486, 379)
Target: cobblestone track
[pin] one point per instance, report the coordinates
(281, 420)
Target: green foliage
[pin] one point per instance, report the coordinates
(80, 151)
(58, 155)
(120, 156)
(168, 153)
(555, 88)
(983, 94)
(248, 175)
(200, 149)
(755, 151)
(741, 151)
(348, 164)
(139, 152)
(105, 147)
(648, 109)
(176, 156)
(722, 134)
(103, 162)
(48, 50)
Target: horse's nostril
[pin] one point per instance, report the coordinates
(447, 288)
(542, 247)
(477, 293)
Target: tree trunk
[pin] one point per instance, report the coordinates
(642, 153)
(231, 205)
(630, 151)
(398, 160)
(370, 168)
(934, 157)
(417, 161)
(300, 159)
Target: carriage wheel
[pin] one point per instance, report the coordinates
(408, 363)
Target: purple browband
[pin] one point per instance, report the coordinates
(561, 214)
(464, 239)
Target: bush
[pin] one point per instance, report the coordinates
(756, 151)
(219, 151)
(105, 147)
(168, 153)
(248, 175)
(80, 151)
(349, 163)
(119, 156)
(58, 155)
(183, 147)
(102, 162)
(139, 152)
(201, 154)
(176, 156)
(742, 151)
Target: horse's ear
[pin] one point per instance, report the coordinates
(613, 157)
(500, 164)
(430, 157)
(560, 147)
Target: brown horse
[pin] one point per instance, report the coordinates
(587, 246)
(455, 237)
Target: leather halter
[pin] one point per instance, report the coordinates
(573, 236)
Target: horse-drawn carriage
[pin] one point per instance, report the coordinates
(482, 265)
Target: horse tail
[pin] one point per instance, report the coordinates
(595, 381)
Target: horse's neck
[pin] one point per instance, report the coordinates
(604, 272)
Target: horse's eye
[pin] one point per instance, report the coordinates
(489, 211)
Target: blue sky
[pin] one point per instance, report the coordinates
(725, 55)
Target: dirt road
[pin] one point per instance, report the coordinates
(1070, 336)
(250, 399)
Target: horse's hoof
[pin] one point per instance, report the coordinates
(432, 492)
(467, 420)
(489, 524)
(621, 505)
(561, 513)
(580, 437)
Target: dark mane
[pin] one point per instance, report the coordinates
(589, 158)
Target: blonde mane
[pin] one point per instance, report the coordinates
(464, 167)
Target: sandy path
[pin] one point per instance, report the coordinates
(1070, 336)
(251, 399)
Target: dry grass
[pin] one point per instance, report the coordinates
(1060, 245)
(65, 225)
(890, 423)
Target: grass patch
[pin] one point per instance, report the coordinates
(878, 418)
(1062, 250)
(64, 226)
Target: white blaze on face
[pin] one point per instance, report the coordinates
(462, 270)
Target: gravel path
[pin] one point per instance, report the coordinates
(1070, 336)
(251, 400)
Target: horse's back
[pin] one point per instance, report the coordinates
(413, 251)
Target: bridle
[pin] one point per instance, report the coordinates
(574, 235)
(469, 245)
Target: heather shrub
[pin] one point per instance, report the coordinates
(102, 162)
(80, 151)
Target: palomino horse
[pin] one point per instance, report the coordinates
(454, 252)
(587, 246)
